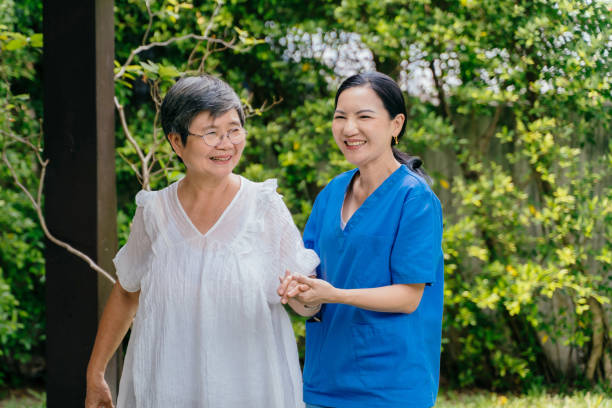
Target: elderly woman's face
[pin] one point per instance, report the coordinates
(214, 145)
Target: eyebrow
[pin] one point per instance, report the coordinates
(233, 122)
(358, 112)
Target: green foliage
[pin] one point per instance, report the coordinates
(512, 117)
(520, 102)
(534, 399)
(21, 239)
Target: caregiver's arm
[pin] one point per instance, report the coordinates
(114, 324)
(397, 298)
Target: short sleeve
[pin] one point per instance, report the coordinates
(134, 258)
(311, 228)
(417, 249)
(293, 255)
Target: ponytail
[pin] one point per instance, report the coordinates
(414, 163)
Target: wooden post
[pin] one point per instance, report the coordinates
(80, 197)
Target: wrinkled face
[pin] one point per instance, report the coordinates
(362, 127)
(199, 158)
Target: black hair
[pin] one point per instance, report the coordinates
(194, 94)
(391, 96)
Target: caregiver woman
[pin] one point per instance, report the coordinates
(377, 230)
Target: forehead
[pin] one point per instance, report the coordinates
(206, 119)
(358, 98)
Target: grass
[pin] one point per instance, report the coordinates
(23, 398)
(482, 399)
(447, 399)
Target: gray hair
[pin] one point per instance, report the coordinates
(194, 94)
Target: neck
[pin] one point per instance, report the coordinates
(372, 175)
(195, 186)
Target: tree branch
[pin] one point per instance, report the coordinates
(142, 48)
(485, 139)
(36, 203)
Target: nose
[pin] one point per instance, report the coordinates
(225, 143)
(350, 127)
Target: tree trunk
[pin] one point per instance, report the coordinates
(598, 339)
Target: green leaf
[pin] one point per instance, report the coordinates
(19, 41)
(36, 40)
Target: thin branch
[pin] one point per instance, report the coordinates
(212, 17)
(142, 48)
(150, 24)
(440, 89)
(254, 112)
(485, 139)
(25, 141)
(192, 54)
(126, 130)
(36, 203)
(131, 164)
(16, 178)
(205, 56)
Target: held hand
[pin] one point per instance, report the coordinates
(312, 292)
(287, 284)
(98, 394)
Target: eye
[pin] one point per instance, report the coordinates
(365, 117)
(339, 117)
(234, 131)
(211, 133)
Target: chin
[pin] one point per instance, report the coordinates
(354, 158)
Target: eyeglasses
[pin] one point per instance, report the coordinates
(213, 138)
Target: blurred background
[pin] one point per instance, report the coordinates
(510, 107)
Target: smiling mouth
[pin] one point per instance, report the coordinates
(354, 143)
(221, 158)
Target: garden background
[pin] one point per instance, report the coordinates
(510, 107)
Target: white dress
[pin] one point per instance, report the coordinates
(210, 330)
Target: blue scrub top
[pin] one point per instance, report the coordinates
(360, 358)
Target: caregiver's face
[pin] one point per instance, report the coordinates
(362, 127)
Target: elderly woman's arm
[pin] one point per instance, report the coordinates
(114, 324)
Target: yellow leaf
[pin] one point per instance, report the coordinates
(566, 256)
(532, 209)
(444, 184)
(544, 339)
(511, 270)
(503, 400)
(479, 253)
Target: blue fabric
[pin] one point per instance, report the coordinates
(360, 358)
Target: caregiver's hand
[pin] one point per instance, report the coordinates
(312, 292)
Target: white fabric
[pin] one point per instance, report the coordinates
(210, 330)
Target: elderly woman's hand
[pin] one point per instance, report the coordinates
(98, 393)
(312, 292)
(288, 283)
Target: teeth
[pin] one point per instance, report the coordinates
(220, 158)
(355, 143)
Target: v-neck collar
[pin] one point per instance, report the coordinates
(369, 201)
(195, 230)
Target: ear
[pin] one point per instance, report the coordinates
(176, 143)
(397, 123)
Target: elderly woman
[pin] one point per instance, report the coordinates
(199, 272)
